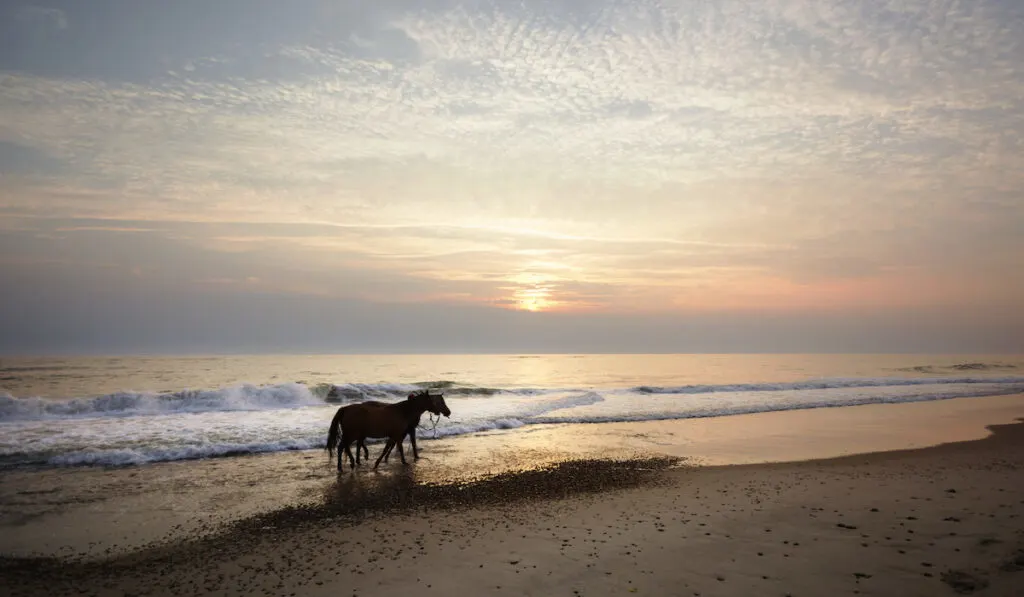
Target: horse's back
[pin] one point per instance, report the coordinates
(372, 419)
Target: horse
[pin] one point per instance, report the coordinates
(411, 433)
(356, 422)
(361, 443)
(411, 410)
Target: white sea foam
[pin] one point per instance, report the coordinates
(120, 457)
(250, 419)
(247, 397)
(625, 407)
(124, 404)
(826, 384)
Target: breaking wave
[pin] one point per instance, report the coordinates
(248, 419)
(122, 404)
(247, 397)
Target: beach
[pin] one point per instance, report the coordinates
(905, 499)
(707, 298)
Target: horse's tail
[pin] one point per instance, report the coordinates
(332, 433)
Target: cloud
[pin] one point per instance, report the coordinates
(51, 318)
(634, 155)
(609, 97)
(18, 159)
(501, 267)
(38, 15)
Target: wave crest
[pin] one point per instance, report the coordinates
(935, 369)
(242, 397)
(823, 384)
(247, 397)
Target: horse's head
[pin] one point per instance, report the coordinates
(439, 407)
(431, 402)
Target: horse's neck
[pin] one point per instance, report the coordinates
(411, 409)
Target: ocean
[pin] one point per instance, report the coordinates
(103, 411)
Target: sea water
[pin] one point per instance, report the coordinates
(137, 410)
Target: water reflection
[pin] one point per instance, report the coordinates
(354, 493)
(412, 487)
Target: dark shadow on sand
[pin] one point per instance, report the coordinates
(353, 497)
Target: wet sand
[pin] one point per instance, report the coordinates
(479, 516)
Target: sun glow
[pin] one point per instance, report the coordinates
(534, 300)
(532, 292)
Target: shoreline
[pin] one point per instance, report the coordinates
(935, 520)
(89, 512)
(980, 409)
(942, 520)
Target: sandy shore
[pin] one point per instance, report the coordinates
(946, 519)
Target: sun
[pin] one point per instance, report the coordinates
(533, 304)
(533, 291)
(534, 299)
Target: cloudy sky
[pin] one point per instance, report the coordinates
(557, 175)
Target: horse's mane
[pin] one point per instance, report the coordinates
(409, 404)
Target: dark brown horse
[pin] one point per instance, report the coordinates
(356, 422)
(411, 432)
(361, 443)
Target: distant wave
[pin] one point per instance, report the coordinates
(936, 369)
(804, 402)
(292, 395)
(121, 404)
(824, 384)
(44, 368)
(330, 392)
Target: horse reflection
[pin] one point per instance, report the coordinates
(357, 494)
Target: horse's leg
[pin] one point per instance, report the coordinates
(366, 453)
(412, 440)
(351, 461)
(341, 453)
(390, 451)
(401, 452)
(359, 444)
(348, 451)
(388, 447)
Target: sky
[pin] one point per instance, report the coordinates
(528, 176)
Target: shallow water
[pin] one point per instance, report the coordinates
(135, 410)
